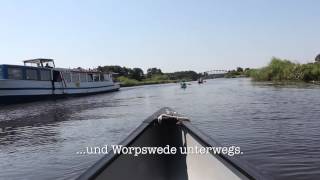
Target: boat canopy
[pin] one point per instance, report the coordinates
(40, 62)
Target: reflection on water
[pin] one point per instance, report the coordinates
(277, 126)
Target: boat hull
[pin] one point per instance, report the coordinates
(6, 100)
(158, 132)
(13, 91)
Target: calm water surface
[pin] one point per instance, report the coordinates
(277, 127)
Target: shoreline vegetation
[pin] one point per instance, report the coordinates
(136, 77)
(282, 70)
(127, 82)
(277, 71)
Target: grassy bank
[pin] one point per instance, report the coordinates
(136, 76)
(127, 82)
(285, 70)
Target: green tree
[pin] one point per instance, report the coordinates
(137, 74)
(114, 69)
(187, 75)
(239, 69)
(153, 71)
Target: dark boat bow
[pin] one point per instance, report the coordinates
(166, 127)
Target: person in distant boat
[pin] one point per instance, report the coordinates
(47, 65)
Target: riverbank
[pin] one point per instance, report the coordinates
(136, 77)
(127, 82)
(281, 70)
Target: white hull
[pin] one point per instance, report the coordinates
(85, 87)
(45, 88)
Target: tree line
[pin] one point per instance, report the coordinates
(152, 73)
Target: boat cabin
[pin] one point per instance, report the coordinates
(44, 70)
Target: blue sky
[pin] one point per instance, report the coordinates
(170, 34)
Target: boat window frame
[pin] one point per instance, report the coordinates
(90, 77)
(21, 68)
(68, 75)
(75, 74)
(96, 75)
(83, 77)
(106, 77)
(40, 75)
(101, 77)
(37, 74)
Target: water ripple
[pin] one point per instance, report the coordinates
(276, 126)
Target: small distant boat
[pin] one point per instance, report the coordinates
(39, 79)
(200, 80)
(168, 128)
(183, 85)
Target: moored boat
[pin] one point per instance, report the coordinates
(39, 78)
(162, 129)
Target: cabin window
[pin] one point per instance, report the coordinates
(45, 75)
(96, 77)
(101, 77)
(31, 74)
(83, 77)
(15, 73)
(67, 77)
(75, 77)
(90, 78)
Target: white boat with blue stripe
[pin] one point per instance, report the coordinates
(39, 79)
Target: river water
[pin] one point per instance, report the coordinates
(276, 126)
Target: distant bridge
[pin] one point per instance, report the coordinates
(217, 73)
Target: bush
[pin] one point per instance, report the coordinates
(126, 81)
(285, 70)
